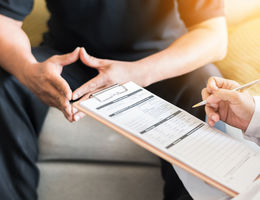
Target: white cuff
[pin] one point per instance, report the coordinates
(253, 130)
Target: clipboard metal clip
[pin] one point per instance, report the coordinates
(109, 93)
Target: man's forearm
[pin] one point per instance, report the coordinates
(203, 44)
(15, 48)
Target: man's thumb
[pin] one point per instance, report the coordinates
(68, 58)
(92, 61)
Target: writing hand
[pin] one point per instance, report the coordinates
(233, 107)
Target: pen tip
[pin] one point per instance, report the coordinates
(195, 106)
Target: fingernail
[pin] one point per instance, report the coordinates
(75, 96)
(76, 118)
(211, 123)
(214, 118)
(74, 110)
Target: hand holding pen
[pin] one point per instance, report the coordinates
(224, 102)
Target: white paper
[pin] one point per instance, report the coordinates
(179, 134)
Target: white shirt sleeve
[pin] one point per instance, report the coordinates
(253, 131)
(199, 190)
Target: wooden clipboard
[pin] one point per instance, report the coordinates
(153, 149)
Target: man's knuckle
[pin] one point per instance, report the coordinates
(203, 92)
(47, 77)
(239, 96)
(66, 104)
(212, 79)
(67, 93)
(62, 101)
(52, 102)
(234, 83)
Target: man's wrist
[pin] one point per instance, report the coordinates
(152, 69)
(24, 69)
(144, 72)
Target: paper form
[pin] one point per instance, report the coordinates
(179, 134)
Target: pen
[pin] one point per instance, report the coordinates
(235, 89)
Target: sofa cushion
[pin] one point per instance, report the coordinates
(99, 181)
(87, 139)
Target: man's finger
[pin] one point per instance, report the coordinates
(212, 114)
(204, 94)
(68, 58)
(79, 115)
(55, 99)
(48, 96)
(92, 85)
(211, 122)
(224, 95)
(66, 108)
(62, 86)
(215, 83)
(212, 84)
(91, 61)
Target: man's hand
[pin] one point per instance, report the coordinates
(45, 81)
(233, 107)
(110, 72)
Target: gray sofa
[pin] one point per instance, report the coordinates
(86, 160)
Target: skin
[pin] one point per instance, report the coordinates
(233, 107)
(203, 43)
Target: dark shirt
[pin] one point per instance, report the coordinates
(116, 29)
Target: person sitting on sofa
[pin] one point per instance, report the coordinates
(238, 109)
(141, 41)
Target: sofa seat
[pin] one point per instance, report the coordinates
(87, 139)
(98, 181)
(86, 160)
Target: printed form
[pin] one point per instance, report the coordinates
(178, 134)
